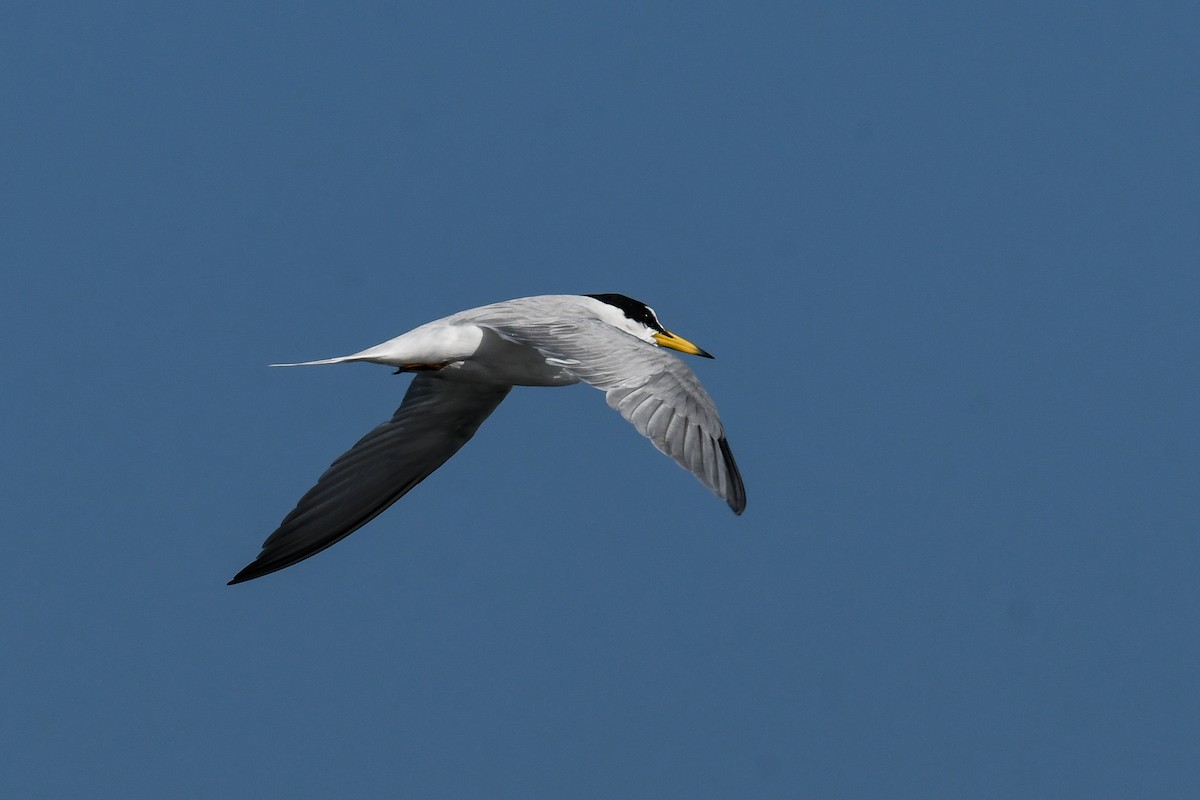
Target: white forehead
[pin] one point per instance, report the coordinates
(618, 318)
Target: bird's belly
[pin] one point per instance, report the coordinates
(500, 361)
(509, 373)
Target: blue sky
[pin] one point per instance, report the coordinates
(946, 257)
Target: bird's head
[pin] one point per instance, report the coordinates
(637, 318)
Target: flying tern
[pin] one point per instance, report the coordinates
(467, 363)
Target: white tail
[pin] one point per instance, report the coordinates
(394, 352)
(338, 360)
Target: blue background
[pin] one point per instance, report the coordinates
(945, 254)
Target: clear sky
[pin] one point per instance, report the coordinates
(945, 255)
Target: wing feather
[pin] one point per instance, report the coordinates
(436, 418)
(650, 387)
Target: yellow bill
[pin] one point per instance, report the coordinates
(667, 339)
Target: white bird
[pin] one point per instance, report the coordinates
(466, 363)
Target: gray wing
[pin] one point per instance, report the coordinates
(650, 387)
(436, 418)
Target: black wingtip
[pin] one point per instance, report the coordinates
(241, 577)
(253, 570)
(737, 496)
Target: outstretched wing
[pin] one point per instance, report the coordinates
(437, 417)
(651, 388)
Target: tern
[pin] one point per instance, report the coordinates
(467, 363)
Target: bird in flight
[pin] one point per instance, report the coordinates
(466, 363)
